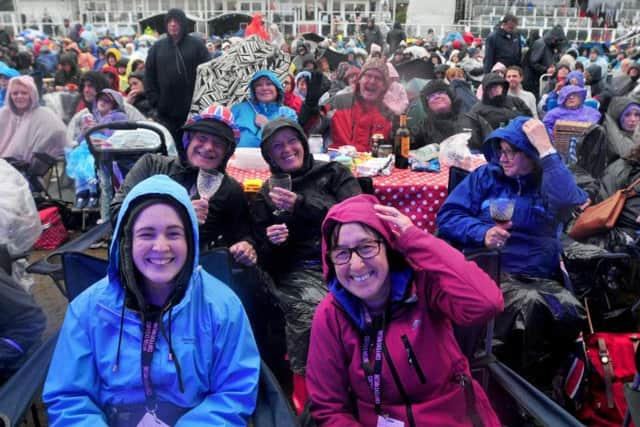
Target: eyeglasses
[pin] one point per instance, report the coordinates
(435, 95)
(366, 250)
(509, 154)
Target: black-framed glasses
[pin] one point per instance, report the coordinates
(365, 250)
(509, 154)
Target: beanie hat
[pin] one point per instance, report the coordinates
(379, 65)
(434, 86)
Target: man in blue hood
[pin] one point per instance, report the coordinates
(170, 72)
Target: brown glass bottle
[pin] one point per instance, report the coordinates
(402, 143)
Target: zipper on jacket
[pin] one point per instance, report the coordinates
(470, 397)
(413, 360)
(396, 378)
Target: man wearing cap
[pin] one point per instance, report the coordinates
(503, 45)
(170, 72)
(209, 140)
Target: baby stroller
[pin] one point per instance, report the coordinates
(117, 146)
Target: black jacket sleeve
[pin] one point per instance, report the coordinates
(228, 221)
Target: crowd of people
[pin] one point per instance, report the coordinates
(366, 296)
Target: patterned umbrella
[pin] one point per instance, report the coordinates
(225, 80)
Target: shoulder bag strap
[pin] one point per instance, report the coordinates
(630, 189)
(605, 359)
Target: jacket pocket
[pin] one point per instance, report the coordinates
(413, 360)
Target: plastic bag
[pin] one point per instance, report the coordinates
(19, 220)
(454, 151)
(80, 163)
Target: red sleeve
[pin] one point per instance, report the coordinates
(341, 128)
(455, 286)
(327, 376)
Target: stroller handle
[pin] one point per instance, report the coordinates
(126, 125)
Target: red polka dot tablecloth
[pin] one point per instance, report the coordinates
(418, 195)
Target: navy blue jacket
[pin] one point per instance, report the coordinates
(503, 47)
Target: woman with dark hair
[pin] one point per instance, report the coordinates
(291, 99)
(382, 349)
(158, 341)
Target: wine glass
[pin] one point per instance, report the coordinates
(501, 210)
(281, 180)
(208, 183)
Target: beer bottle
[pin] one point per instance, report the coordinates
(402, 143)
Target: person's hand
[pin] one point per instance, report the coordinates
(131, 97)
(261, 120)
(585, 205)
(283, 199)
(496, 236)
(537, 134)
(314, 88)
(201, 206)
(559, 86)
(278, 233)
(399, 222)
(244, 253)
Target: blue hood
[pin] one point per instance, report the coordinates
(157, 185)
(274, 79)
(569, 90)
(513, 134)
(7, 71)
(578, 75)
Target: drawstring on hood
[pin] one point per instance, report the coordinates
(157, 189)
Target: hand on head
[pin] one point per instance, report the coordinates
(537, 134)
(399, 222)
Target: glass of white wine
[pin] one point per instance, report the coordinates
(208, 183)
(279, 180)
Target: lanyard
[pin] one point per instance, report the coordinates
(373, 374)
(148, 345)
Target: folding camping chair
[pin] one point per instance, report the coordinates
(17, 394)
(51, 265)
